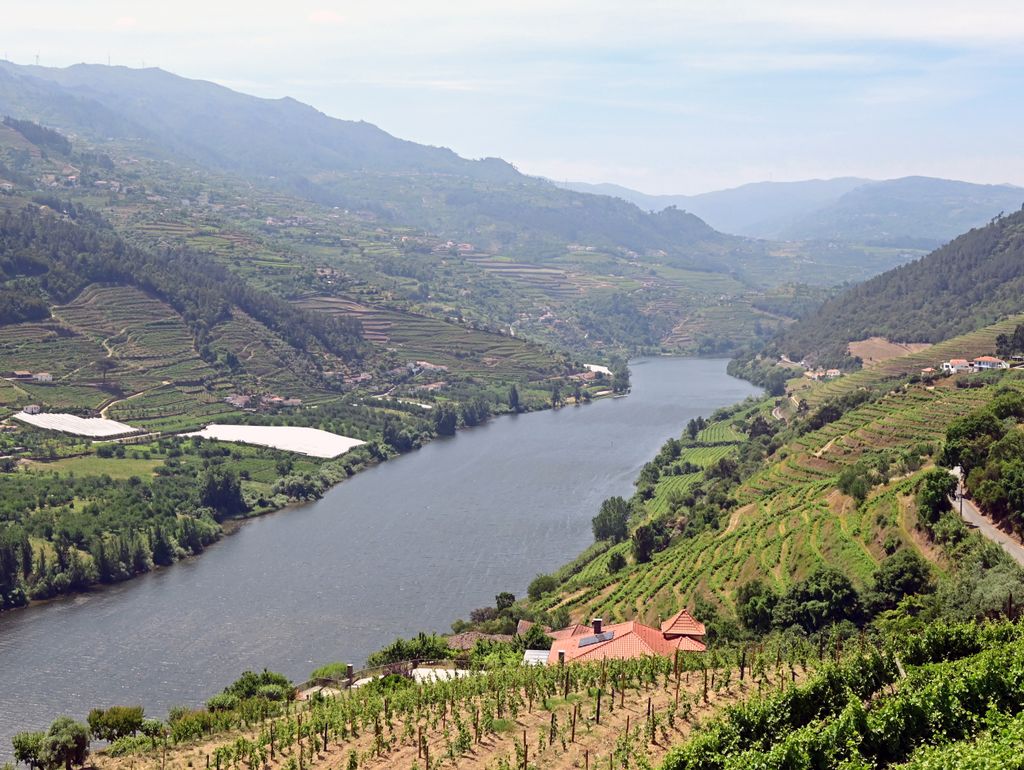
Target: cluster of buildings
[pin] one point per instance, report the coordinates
(449, 245)
(21, 374)
(822, 374)
(618, 641)
(962, 365)
(267, 401)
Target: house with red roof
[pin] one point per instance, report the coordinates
(623, 641)
(990, 362)
(956, 365)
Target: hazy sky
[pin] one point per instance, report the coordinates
(681, 96)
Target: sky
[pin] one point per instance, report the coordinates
(665, 97)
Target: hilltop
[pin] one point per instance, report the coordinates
(913, 213)
(426, 230)
(351, 164)
(755, 210)
(970, 282)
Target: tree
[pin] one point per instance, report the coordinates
(904, 573)
(644, 543)
(106, 365)
(933, 495)
(540, 585)
(222, 491)
(616, 562)
(536, 639)
(28, 748)
(115, 722)
(824, 597)
(853, 481)
(620, 377)
(969, 438)
(612, 520)
(504, 601)
(249, 684)
(513, 399)
(66, 744)
(755, 602)
(445, 420)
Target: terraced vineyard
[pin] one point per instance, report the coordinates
(969, 346)
(416, 337)
(790, 518)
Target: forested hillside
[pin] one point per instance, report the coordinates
(912, 212)
(975, 280)
(343, 163)
(44, 258)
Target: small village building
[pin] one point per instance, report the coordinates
(21, 374)
(239, 400)
(32, 409)
(990, 362)
(831, 374)
(427, 366)
(625, 641)
(928, 371)
(956, 365)
(42, 377)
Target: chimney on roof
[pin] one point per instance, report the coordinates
(597, 626)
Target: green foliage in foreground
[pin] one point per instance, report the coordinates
(960, 680)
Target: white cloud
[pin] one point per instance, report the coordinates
(326, 16)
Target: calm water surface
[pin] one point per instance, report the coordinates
(409, 545)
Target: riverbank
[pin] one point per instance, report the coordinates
(318, 476)
(409, 544)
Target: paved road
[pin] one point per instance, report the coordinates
(976, 519)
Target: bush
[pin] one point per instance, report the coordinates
(540, 585)
(330, 671)
(222, 702)
(248, 684)
(616, 562)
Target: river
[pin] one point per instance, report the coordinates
(409, 545)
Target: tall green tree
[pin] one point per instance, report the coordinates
(66, 744)
(612, 520)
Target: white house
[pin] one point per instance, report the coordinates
(956, 365)
(42, 377)
(990, 362)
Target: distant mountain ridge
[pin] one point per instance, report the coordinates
(970, 282)
(350, 164)
(911, 212)
(756, 210)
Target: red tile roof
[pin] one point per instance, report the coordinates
(990, 359)
(682, 624)
(576, 629)
(628, 640)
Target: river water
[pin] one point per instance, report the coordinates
(406, 546)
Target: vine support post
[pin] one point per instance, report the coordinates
(599, 707)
